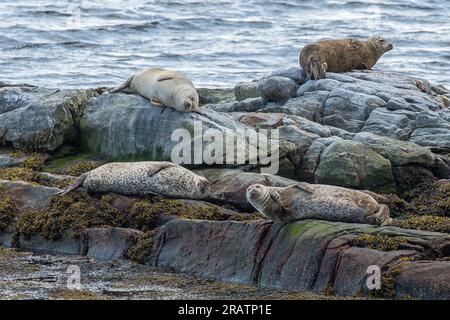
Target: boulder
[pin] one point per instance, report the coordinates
(276, 88)
(354, 165)
(398, 152)
(428, 280)
(39, 118)
(109, 243)
(27, 195)
(246, 90)
(128, 127)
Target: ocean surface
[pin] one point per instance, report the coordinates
(217, 43)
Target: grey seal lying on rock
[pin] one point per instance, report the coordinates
(143, 178)
(341, 55)
(164, 88)
(316, 201)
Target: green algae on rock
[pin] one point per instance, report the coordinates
(18, 174)
(430, 198)
(8, 211)
(425, 223)
(380, 242)
(69, 214)
(141, 250)
(77, 168)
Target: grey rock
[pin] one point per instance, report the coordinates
(311, 157)
(303, 255)
(398, 152)
(124, 126)
(207, 95)
(343, 104)
(109, 243)
(396, 124)
(317, 85)
(352, 164)
(7, 161)
(294, 73)
(246, 90)
(428, 280)
(309, 106)
(39, 118)
(277, 88)
(27, 195)
(230, 185)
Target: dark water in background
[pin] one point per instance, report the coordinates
(64, 43)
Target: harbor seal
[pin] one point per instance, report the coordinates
(314, 201)
(142, 179)
(164, 88)
(341, 55)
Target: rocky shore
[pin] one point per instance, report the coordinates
(385, 133)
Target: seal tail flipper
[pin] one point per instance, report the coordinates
(73, 186)
(317, 69)
(125, 85)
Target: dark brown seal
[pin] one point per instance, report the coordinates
(341, 55)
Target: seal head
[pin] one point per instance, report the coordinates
(381, 44)
(266, 201)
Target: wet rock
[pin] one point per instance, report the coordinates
(429, 280)
(352, 274)
(277, 88)
(6, 160)
(185, 256)
(303, 255)
(109, 243)
(38, 118)
(352, 164)
(27, 195)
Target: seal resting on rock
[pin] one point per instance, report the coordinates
(315, 201)
(341, 55)
(164, 88)
(143, 178)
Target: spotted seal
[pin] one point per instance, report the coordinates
(164, 88)
(143, 178)
(315, 201)
(341, 55)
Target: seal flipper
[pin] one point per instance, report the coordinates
(303, 187)
(157, 103)
(124, 86)
(160, 168)
(317, 69)
(73, 186)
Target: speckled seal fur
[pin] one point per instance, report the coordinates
(143, 178)
(315, 201)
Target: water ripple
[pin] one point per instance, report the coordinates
(85, 43)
